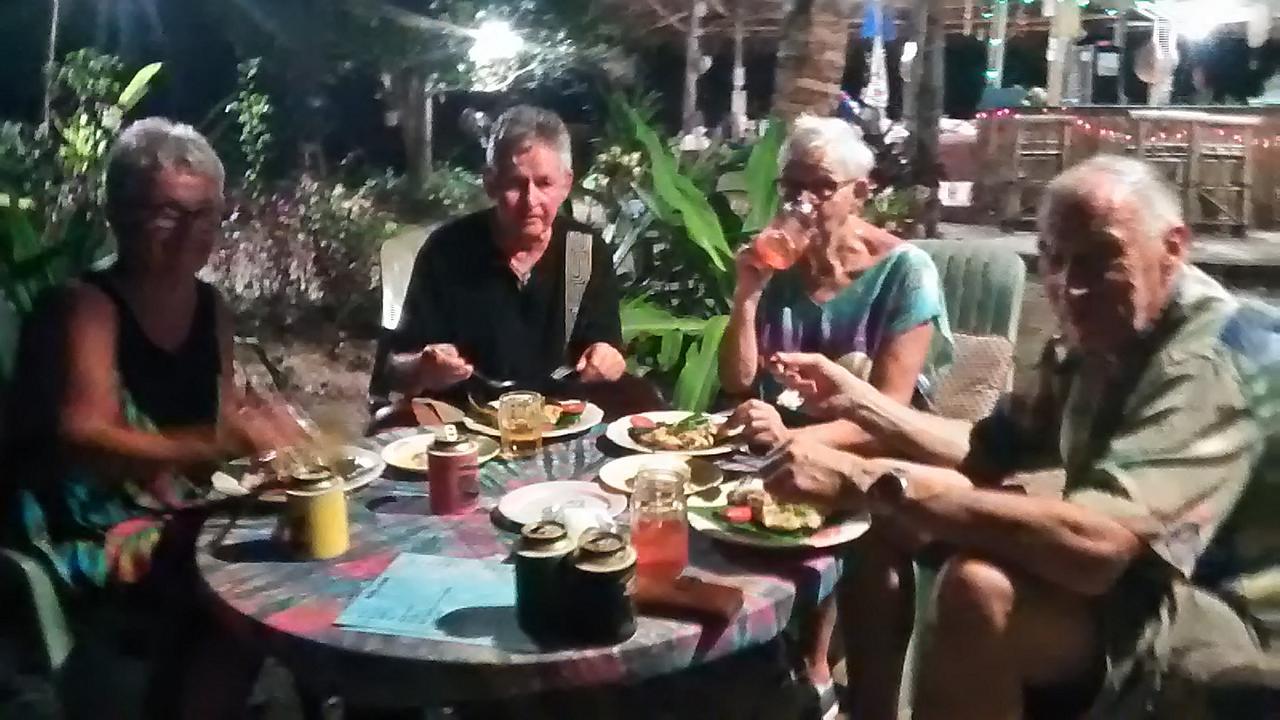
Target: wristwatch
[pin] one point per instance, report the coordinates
(888, 489)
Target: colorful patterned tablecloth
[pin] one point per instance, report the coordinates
(290, 605)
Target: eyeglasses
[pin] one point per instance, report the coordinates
(821, 190)
(168, 218)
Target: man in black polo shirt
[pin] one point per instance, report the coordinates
(490, 291)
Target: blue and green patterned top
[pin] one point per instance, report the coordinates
(900, 292)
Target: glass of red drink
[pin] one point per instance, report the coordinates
(782, 241)
(659, 528)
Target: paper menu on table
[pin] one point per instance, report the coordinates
(440, 598)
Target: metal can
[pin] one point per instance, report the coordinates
(452, 466)
(316, 515)
(540, 566)
(601, 579)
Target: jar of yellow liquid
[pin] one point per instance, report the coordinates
(317, 516)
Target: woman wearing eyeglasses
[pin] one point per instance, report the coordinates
(125, 399)
(844, 288)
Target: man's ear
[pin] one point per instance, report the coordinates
(1177, 242)
(862, 189)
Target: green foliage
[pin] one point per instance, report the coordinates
(895, 209)
(305, 253)
(251, 110)
(677, 249)
(449, 191)
(51, 178)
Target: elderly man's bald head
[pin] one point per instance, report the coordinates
(1112, 239)
(1106, 184)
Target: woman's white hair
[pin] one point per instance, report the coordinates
(835, 140)
(148, 146)
(523, 124)
(1136, 181)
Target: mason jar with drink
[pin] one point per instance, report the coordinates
(659, 528)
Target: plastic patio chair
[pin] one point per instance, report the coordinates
(398, 255)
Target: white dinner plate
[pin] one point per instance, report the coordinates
(532, 502)
(237, 478)
(619, 431)
(591, 416)
(410, 453)
(620, 474)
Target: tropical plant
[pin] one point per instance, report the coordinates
(51, 176)
(307, 253)
(679, 294)
(448, 191)
(252, 110)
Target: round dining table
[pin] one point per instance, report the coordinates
(289, 606)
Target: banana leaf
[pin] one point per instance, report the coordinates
(699, 379)
(761, 177)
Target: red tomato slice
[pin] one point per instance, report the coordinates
(737, 513)
(573, 407)
(640, 421)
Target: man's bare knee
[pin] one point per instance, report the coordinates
(973, 594)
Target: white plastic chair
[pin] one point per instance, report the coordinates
(398, 254)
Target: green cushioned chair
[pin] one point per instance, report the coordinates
(983, 282)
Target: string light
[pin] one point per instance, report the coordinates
(1155, 138)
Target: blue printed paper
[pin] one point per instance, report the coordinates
(441, 598)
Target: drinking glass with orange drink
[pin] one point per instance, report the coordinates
(659, 528)
(780, 244)
(521, 421)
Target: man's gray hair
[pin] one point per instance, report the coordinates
(836, 140)
(1138, 182)
(148, 146)
(523, 124)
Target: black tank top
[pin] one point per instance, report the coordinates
(173, 389)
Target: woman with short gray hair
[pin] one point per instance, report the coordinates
(844, 288)
(144, 401)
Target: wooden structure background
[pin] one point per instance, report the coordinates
(1226, 162)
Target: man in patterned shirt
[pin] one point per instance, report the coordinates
(1153, 582)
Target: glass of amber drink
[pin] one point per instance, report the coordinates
(780, 244)
(521, 421)
(659, 528)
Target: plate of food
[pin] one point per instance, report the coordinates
(672, 431)
(538, 501)
(620, 474)
(752, 516)
(564, 417)
(410, 453)
(243, 477)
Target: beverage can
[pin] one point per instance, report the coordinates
(600, 585)
(540, 567)
(316, 516)
(452, 467)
